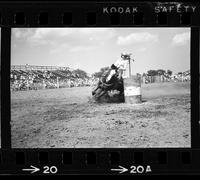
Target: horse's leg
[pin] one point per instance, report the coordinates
(101, 94)
(96, 87)
(93, 92)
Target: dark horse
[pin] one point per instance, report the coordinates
(113, 84)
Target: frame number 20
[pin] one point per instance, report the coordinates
(50, 170)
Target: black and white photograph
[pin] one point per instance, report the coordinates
(100, 88)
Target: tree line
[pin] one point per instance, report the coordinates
(148, 73)
(82, 74)
(158, 72)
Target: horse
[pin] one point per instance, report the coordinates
(103, 86)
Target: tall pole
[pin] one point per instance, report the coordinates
(129, 67)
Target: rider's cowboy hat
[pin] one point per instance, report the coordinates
(125, 55)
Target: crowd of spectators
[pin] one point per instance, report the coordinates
(36, 79)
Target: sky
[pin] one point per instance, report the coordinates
(90, 49)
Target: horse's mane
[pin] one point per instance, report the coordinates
(105, 75)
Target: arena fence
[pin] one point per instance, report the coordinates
(166, 78)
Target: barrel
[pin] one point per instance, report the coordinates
(132, 90)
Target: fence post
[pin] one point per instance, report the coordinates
(43, 83)
(143, 79)
(57, 82)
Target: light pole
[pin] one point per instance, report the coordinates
(128, 57)
(129, 62)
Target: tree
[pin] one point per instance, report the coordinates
(97, 74)
(160, 72)
(101, 72)
(67, 72)
(169, 72)
(152, 73)
(104, 69)
(144, 74)
(80, 73)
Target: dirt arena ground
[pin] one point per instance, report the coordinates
(67, 118)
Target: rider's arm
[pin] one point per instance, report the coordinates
(118, 63)
(123, 65)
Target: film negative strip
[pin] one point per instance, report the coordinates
(100, 88)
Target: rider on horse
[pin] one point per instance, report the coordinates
(119, 67)
(112, 79)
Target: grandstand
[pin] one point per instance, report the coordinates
(27, 77)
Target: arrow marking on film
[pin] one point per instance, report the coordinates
(121, 170)
(33, 170)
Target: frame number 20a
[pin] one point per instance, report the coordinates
(133, 169)
(140, 169)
